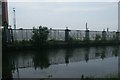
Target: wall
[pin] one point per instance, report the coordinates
(26, 34)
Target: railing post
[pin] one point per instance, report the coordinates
(117, 35)
(12, 39)
(67, 34)
(5, 34)
(103, 35)
(87, 35)
(9, 36)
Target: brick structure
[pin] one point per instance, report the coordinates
(4, 12)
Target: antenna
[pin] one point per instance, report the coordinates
(86, 26)
(14, 19)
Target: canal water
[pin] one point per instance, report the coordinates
(97, 62)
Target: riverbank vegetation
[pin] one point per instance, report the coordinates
(53, 44)
(40, 41)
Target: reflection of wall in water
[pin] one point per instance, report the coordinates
(77, 55)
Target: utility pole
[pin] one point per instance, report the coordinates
(86, 26)
(14, 22)
(14, 19)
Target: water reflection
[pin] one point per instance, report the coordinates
(86, 54)
(68, 54)
(116, 50)
(14, 62)
(103, 53)
(41, 59)
(6, 67)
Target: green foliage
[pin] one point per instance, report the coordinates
(70, 38)
(97, 37)
(40, 35)
(21, 43)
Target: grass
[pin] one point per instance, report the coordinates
(51, 44)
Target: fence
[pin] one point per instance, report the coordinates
(58, 34)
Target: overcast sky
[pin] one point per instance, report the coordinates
(59, 15)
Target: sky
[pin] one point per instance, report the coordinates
(61, 14)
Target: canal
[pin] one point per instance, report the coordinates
(97, 62)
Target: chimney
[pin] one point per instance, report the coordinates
(4, 12)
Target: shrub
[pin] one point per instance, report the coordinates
(97, 37)
(40, 35)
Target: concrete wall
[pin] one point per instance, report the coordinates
(26, 34)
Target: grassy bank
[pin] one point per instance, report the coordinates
(28, 45)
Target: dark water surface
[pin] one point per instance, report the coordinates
(63, 63)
